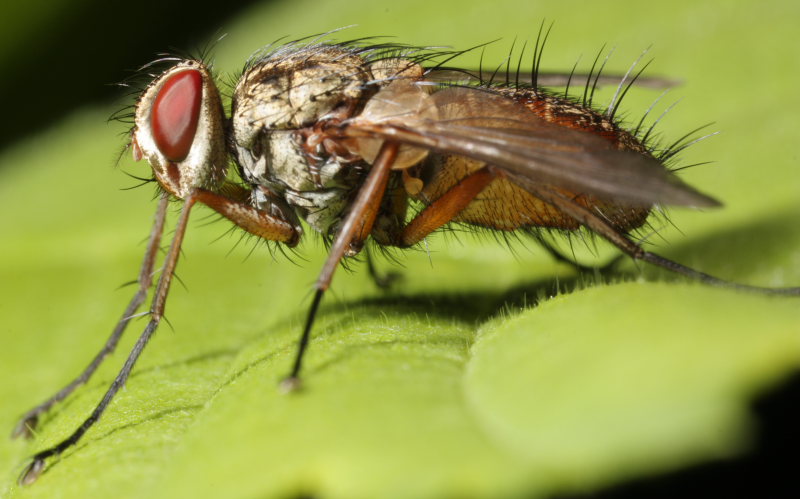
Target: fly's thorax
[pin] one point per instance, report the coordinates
(277, 105)
(277, 99)
(317, 191)
(280, 160)
(302, 86)
(295, 90)
(179, 129)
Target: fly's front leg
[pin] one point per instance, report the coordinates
(28, 422)
(232, 204)
(253, 220)
(35, 468)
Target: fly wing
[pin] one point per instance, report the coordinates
(543, 78)
(484, 125)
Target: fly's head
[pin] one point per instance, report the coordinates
(179, 129)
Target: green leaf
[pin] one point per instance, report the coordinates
(484, 372)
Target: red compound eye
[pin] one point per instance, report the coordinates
(175, 114)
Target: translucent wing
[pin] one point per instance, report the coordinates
(543, 78)
(484, 125)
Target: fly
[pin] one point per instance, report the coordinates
(346, 137)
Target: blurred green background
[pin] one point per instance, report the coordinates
(469, 378)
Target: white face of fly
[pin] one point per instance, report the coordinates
(179, 129)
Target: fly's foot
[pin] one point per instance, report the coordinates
(385, 281)
(290, 384)
(31, 472)
(26, 426)
(609, 268)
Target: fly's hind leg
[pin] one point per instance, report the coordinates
(597, 224)
(457, 198)
(28, 422)
(558, 256)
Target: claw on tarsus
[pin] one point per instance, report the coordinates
(31, 472)
(25, 427)
(290, 384)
